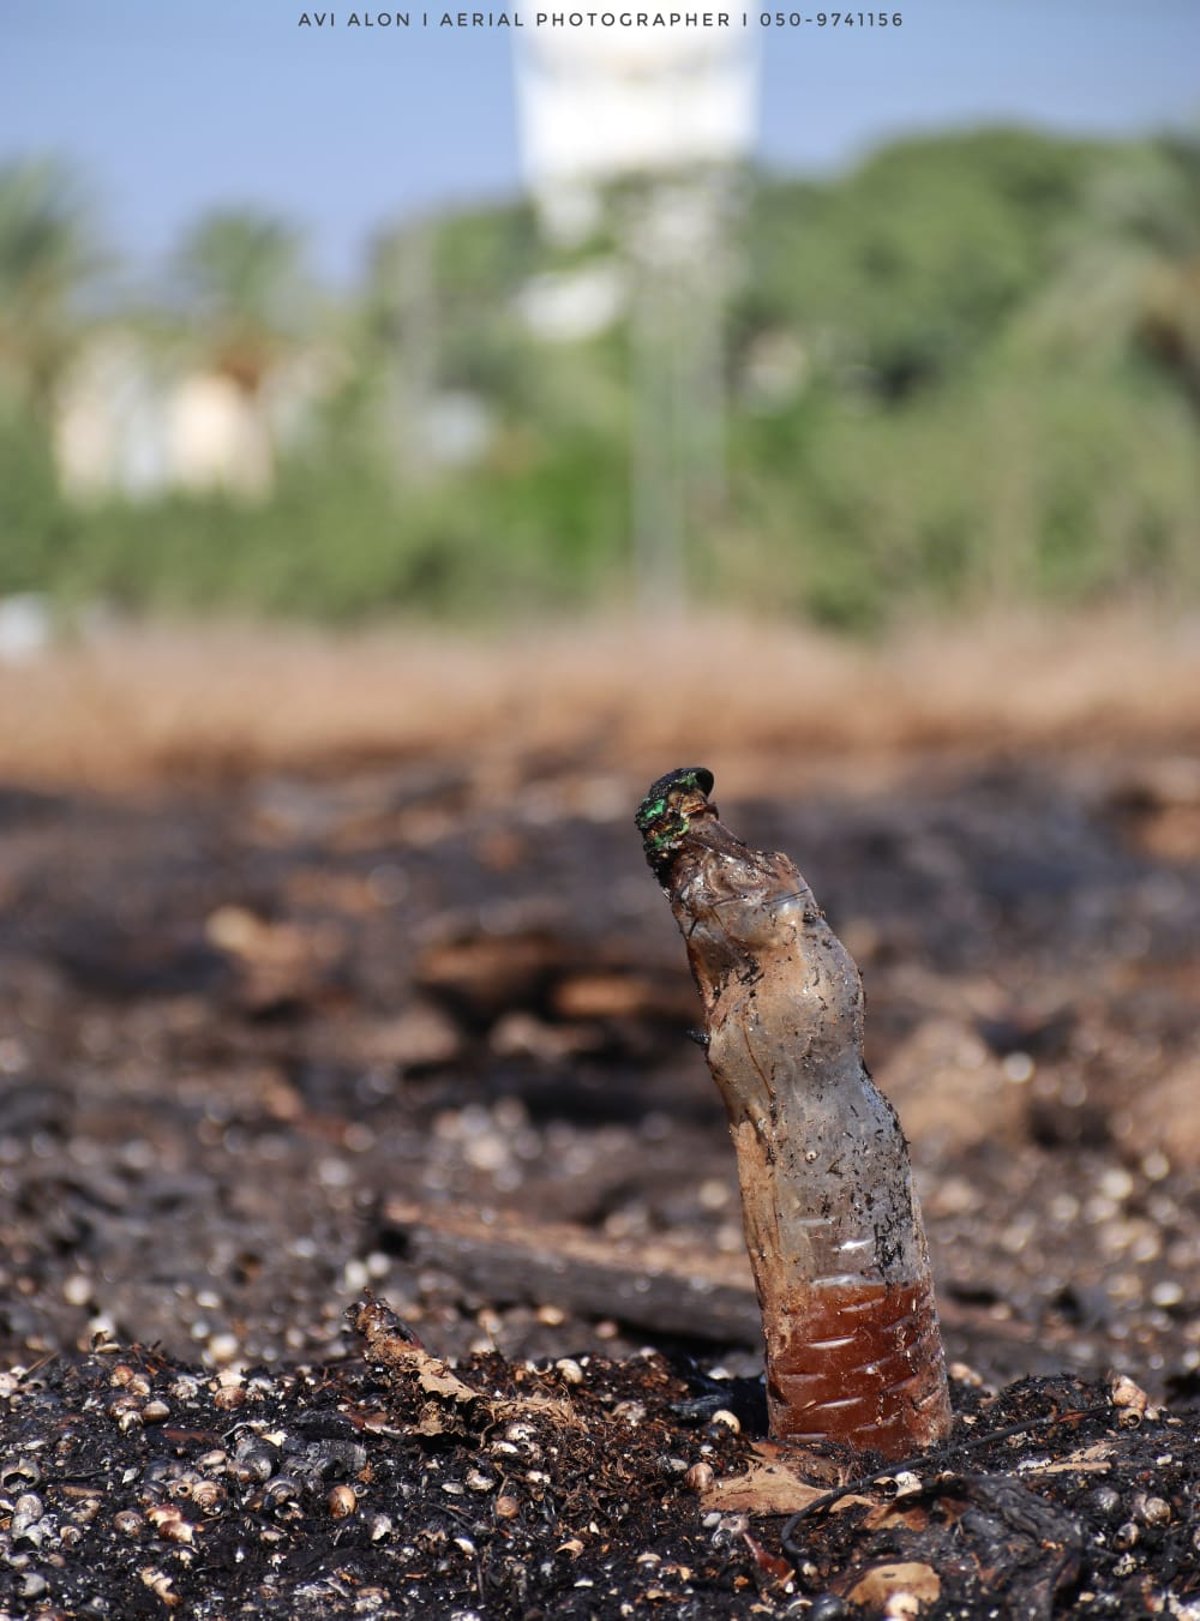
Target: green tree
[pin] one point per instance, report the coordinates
(1129, 278)
(49, 257)
(902, 273)
(242, 279)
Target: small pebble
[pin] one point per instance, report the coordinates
(828, 1607)
(490, 1322)
(27, 1510)
(507, 1508)
(1018, 1068)
(355, 1277)
(1167, 1293)
(1116, 1183)
(962, 1373)
(1105, 1502)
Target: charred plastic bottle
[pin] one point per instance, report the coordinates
(832, 1223)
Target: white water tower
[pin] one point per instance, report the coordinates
(599, 103)
(673, 110)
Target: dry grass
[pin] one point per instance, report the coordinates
(159, 703)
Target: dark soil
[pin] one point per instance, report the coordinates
(268, 1045)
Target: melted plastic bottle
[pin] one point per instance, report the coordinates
(832, 1223)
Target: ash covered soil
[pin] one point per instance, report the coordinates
(412, 1046)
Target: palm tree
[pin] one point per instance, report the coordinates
(241, 276)
(48, 258)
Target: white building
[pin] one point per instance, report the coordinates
(129, 422)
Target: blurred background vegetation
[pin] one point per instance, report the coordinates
(965, 375)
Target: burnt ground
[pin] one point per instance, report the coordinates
(271, 1045)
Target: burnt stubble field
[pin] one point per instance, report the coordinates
(369, 1235)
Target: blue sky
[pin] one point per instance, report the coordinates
(174, 106)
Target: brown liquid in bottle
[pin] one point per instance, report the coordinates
(857, 1363)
